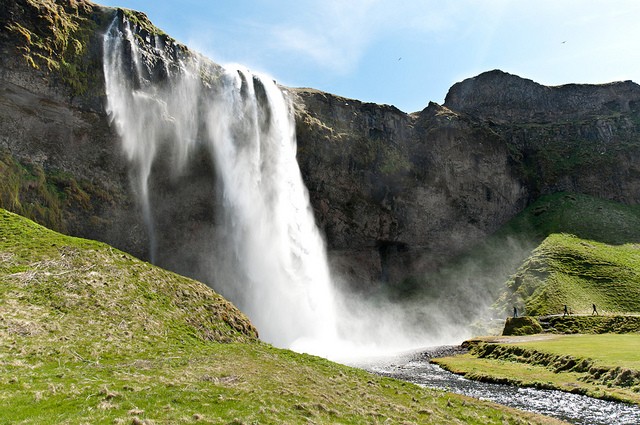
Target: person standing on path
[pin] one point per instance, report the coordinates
(595, 310)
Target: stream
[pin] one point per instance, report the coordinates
(573, 408)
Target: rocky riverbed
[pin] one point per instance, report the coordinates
(415, 367)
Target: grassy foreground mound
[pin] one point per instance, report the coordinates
(89, 334)
(603, 366)
(567, 270)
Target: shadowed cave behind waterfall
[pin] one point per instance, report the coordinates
(212, 156)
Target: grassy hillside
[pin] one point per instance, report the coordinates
(600, 264)
(89, 334)
(567, 270)
(101, 297)
(477, 279)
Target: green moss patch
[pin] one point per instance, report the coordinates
(142, 22)
(593, 324)
(521, 326)
(584, 216)
(54, 36)
(47, 196)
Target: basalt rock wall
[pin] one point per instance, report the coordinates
(60, 162)
(575, 138)
(399, 193)
(395, 194)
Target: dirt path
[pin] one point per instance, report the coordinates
(512, 339)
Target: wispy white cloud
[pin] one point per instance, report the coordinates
(334, 34)
(350, 46)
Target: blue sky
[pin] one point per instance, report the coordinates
(407, 53)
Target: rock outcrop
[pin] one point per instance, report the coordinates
(505, 98)
(60, 159)
(574, 138)
(396, 194)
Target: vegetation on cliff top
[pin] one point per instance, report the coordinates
(90, 334)
(142, 22)
(62, 38)
(54, 36)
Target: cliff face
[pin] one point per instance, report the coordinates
(396, 194)
(575, 138)
(506, 98)
(60, 160)
(463, 169)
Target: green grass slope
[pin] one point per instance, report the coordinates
(477, 279)
(89, 334)
(101, 297)
(567, 270)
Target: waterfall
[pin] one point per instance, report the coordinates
(273, 263)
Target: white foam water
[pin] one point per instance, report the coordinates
(274, 265)
(268, 256)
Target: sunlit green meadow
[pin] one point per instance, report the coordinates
(89, 334)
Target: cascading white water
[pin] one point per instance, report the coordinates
(280, 253)
(267, 256)
(274, 266)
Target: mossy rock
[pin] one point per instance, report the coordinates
(60, 39)
(526, 325)
(51, 197)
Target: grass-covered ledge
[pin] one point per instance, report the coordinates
(583, 364)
